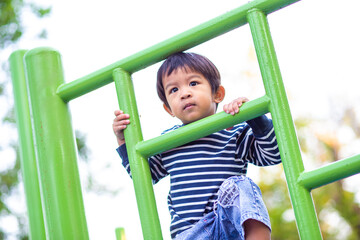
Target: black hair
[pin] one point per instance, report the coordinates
(187, 61)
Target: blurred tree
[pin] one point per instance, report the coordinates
(321, 142)
(11, 30)
(11, 27)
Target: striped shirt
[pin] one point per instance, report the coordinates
(197, 169)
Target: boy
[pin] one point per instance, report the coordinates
(210, 197)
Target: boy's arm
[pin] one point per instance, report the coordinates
(156, 168)
(120, 123)
(124, 156)
(263, 149)
(259, 146)
(260, 125)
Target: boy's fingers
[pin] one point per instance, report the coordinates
(226, 108)
(229, 108)
(118, 112)
(236, 106)
(233, 107)
(122, 117)
(122, 122)
(244, 99)
(121, 127)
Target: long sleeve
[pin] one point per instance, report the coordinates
(124, 156)
(156, 168)
(259, 145)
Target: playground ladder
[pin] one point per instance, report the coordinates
(48, 152)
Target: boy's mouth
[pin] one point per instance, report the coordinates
(189, 105)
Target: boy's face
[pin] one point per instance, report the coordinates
(189, 95)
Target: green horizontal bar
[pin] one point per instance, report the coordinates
(330, 173)
(188, 39)
(203, 128)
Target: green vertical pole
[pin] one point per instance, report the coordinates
(301, 199)
(26, 147)
(140, 171)
(120, 233)
(55, 147)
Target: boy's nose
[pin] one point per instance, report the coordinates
(185, 94)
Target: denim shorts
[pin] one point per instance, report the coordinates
(239, 199)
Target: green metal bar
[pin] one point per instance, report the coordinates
(188, 39)
(203, 128)
(330, 173)
(140, 171)
(301, 199)
(120, 233)
(26, 147)
(54, 147)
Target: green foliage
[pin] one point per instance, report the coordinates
(1, 88)
(83, 151)
(38, 11)
(11, 27)
(9, 179)
(333, 201)
(11, 30)
(275, 194)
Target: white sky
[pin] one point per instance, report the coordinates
(317, 44)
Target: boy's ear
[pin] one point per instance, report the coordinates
(168, 110)
(220, 94)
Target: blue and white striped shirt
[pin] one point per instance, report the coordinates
(197, 169)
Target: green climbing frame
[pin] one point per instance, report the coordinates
(48, 152)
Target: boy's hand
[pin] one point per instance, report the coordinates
(233, 107)
(120, 122)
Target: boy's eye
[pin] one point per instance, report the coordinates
(193, 84)
(173, 90)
